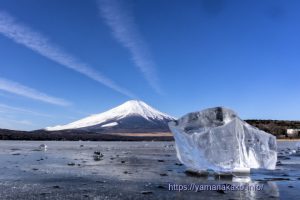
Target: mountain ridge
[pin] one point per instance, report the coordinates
(131, 116)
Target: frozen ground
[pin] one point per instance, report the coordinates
(128, 170)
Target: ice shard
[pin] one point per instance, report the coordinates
(217, 139)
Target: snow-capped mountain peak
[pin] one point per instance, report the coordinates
(110, 118)
(136, 107)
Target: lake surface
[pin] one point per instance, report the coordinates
(131, 170)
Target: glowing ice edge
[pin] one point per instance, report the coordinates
(234, 146)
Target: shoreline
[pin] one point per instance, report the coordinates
(89, 136)
(289, 140)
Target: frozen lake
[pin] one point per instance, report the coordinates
(130, 170)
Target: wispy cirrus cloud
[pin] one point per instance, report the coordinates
(12, 109)
(125, 30)
(18, 89)
(39, 43)
(15, 124)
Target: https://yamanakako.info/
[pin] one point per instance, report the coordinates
(215, 187)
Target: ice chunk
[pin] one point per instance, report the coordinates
(43, 147)
(217, 139)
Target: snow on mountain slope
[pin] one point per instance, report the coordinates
(110, 124)
(110, 118)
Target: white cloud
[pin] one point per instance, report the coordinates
(35, 41)
(126, 32)
(18, 89)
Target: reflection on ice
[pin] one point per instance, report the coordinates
(272, 189)
(241, 179)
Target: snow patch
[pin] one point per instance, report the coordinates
(110, 124)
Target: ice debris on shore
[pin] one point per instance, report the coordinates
(217, 139)
(97, 156)
(43, 147)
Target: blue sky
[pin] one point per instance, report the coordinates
(62, 60)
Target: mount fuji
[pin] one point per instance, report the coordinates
(133, 116)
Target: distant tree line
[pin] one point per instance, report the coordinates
(275, 127)
(71, 135)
